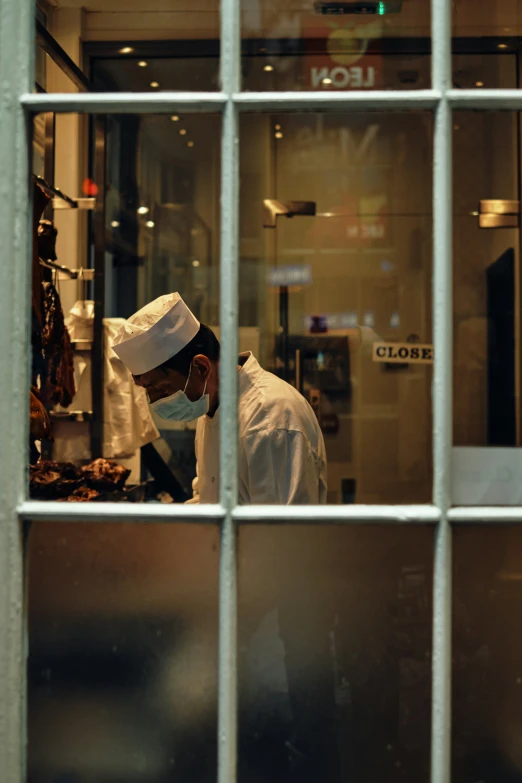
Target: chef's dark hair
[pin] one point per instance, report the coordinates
(205, 342)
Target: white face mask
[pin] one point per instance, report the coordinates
(178, 407)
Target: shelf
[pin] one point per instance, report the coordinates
(82, 345)
(81, 203)
(78, 416)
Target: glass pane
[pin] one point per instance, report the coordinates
(486, 43)
(486, 306)
(147, 227)
(487, 650)
(125, 45)
(336, 301)
(122, 653)
(329, 45)
(335, 654)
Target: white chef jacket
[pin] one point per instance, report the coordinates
(127, 420)
(282, 458)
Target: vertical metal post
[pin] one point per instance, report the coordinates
(100, 124)
(230, 83)
(442, 392)
(16, 71)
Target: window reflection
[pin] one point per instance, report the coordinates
(335, 284)
(487, 671)
(335, 654)
(123, 653)
(331, 46)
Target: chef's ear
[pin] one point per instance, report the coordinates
(202, 366)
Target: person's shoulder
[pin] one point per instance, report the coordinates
(272, 403)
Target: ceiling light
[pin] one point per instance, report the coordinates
(175, 118)
(143, 210)
(150, 224)
(142, 63)
(278, 127)
(195, 262)
(503, 46)
(126, 50)
(190, 143)
(182, 131)
(327, 81)
(279, 135)
(269, 68)
(115, 224)
(154, 84)
(474, 214)
(479, 84)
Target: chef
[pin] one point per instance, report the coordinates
(175, 359)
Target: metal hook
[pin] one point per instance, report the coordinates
(82, 285)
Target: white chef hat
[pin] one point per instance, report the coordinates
(155, 333)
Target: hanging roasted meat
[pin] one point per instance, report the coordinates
(58, 386)
(40, 425)
(47, 234)
(40, 202)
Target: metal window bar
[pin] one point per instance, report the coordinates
(19, 103)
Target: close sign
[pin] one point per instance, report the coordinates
(402, 353)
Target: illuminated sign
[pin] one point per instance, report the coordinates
(290, 276)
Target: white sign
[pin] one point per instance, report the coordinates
(486, 476)
(290, 276)
(402, 353)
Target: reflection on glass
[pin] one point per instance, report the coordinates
(328, 300)
(162, 212)
(138, 47)
(123, 653)
(487, 651)
(486, 265)
(331, 46)
(335, 654)
(485, 43)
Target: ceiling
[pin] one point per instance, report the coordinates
(118, 20)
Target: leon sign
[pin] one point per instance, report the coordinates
(347, 62)
(402, 353)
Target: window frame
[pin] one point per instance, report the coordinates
(19, 103)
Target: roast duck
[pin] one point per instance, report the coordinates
(53, 365)
(64, 481)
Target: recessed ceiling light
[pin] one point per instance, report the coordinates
(190, 143)
(175, 118)
(327, 81)
(479, 84)
(279, 135)
(142, 63)
(474, 214)
(195, 262)
(154, 84)
(182, 131)
(126, 50)
(269, 68)
(115, 224)
(503, 46)
(150, 224)
(143, 210)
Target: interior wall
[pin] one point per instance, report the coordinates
(71, 150)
